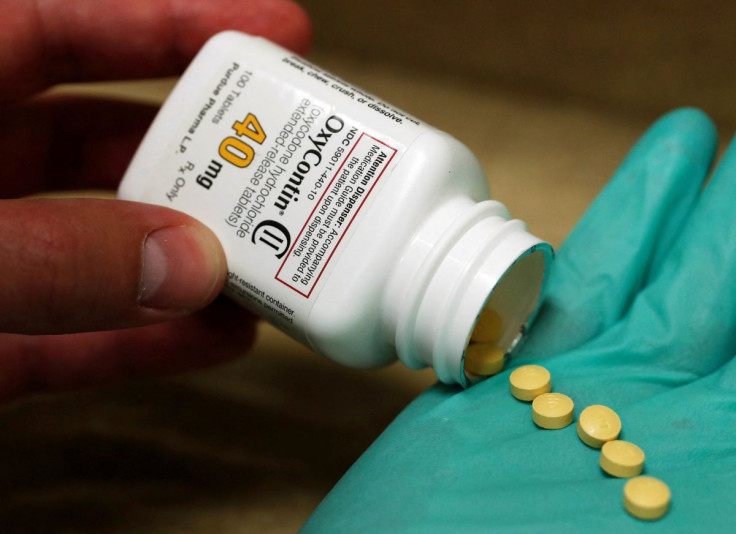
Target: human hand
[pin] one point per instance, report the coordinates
(639, 315)
(77, 274)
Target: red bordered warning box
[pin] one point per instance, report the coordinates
(333, 214)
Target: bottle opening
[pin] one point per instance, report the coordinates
(505, 317)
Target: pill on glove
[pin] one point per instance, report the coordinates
(552, 410)
(530, 381)
(484, 359)
(646, 497)
(488, 327)
(597, 425)
(621, 459)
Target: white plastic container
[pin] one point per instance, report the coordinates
(347, 223)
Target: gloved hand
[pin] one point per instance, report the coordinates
(639, 315)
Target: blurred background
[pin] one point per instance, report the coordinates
(549, 95)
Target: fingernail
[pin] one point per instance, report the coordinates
(181, 268)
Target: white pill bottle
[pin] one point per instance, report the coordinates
(348, 224)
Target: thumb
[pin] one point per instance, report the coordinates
(71, 265)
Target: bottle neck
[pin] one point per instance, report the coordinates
(464, 256)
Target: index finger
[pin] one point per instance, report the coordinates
(46, 42)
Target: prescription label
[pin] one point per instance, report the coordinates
(332, 216)
(281, 160)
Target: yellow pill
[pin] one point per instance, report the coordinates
(488, 327)
(530, 381)
(552, 410)
(598, 424)
(484, 359)
(646, 497)
(621, 459)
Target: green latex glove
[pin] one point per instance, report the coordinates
(639, 315)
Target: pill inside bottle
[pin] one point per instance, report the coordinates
(488, 327)
(501, 323)
(483, 356)
(484, 359)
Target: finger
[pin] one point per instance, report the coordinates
(685, 319)
(76, 265)
(606, 259)
(48, 41)
(37, 363)
(69, 143)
